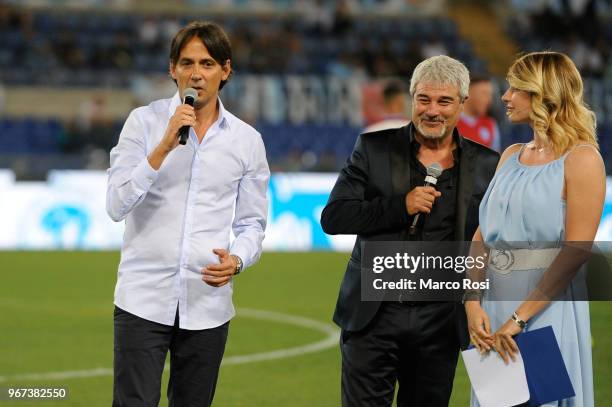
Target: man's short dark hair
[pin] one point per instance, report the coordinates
(214, 38)
(478, 78)
(392, 89)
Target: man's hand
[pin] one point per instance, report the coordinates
(220, 274)
(421, 199)
(184, 115)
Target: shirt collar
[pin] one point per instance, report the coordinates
(223, 118)
(223, 115)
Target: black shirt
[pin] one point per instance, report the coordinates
(439, 224)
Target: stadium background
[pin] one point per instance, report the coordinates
(308, 76)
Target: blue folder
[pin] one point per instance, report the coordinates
(546, 373)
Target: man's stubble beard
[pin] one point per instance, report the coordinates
(432, 136)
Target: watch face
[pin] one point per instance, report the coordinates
(238, 264)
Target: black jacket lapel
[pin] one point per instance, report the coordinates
(467, 160)
(399, 159)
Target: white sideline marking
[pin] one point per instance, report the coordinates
(331, 340)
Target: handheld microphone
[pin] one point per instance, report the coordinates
(189, 97)
(433, 172)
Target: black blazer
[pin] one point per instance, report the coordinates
(368, 200)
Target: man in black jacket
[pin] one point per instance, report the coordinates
(377, 195)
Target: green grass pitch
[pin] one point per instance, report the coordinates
(56, 316)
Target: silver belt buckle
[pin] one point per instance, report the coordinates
(502, 260)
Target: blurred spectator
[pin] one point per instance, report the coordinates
(409, 59)
(384, 63)
(569, 26)
(474, 122)
(588, 59)
(169, 27)
(394, 113)
(343, 18)
(93, 128)
(2, 100)
(346, 65)
(318, 16)
(92, 113)
(331, 39)
(433, 47)
(149, 32)
(122, 55)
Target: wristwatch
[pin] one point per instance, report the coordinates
(239, 264)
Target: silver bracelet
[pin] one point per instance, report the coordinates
(518, 320)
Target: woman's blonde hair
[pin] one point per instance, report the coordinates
(559, 114)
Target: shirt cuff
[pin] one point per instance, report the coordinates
(143, 176)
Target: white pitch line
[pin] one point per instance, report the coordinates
(333, 336)
(331, 340)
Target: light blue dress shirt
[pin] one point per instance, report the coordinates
(176, 216)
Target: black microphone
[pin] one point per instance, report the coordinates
(189, 97)
(433, 172)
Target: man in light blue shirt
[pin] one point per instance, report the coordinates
(180, 203)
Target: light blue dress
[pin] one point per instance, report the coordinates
(524, 203)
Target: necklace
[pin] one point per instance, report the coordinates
(532, 146)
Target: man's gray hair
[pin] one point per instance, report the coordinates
(442, 70)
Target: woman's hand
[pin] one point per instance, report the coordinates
(479, 326)
(504, 343)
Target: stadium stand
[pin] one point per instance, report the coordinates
(118, 46)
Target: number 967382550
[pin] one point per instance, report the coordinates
(33, 393)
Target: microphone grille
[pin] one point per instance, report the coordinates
(434, 170)
(190, 93)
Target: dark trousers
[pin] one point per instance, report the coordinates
(140, 354)
(414, 344)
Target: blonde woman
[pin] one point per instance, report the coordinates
(546, 192)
